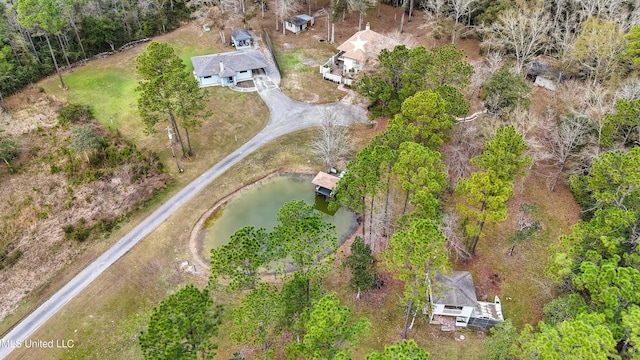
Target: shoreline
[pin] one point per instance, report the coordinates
(197, 231)
(196, 237)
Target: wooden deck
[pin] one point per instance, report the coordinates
(447, 323)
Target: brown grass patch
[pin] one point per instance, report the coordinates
(41, 201)
(519, 279)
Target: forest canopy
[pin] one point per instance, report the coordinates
(76, 31)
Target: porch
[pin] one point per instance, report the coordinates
(333, 70)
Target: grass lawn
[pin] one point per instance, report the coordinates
(110, 91)
(108, 85)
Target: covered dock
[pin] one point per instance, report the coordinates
(325, 183)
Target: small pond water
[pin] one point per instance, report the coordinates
(258, 205)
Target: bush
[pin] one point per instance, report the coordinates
(8, 150)
(34, 151)
(106, 225)
(9, 259)
(74, 113)
(506, 91)
(78, 232)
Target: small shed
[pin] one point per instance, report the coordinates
(325, 183)
(299, 23)
(545, 72)
(241, 39)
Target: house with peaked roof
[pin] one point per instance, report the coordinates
(241, 39)
(227, 69)
(299, 23)
(354, 53)
(454, 304)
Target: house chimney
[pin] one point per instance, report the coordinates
(221, 67)
(368, 26)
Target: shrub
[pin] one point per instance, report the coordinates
(8, 150)
(78, 232)
(506, 91)
(73, 113)
(34, 151)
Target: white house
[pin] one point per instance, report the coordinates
(363, 46)
(299, 23)
(454, 304)
(227, 69)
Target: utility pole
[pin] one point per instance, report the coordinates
(173, 152)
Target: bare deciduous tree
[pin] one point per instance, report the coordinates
(436, 7)
(524, 122)
(483, 69)
(464, 145)
(629, 89)
(565, 22)
(586, 99)
(449, 226)
(606, 9)
(461, 8)
(334, 142)
(284, 9)
(521, 32)
(563, 143)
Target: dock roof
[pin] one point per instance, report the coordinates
(325, 180)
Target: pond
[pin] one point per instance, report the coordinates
(258, 205)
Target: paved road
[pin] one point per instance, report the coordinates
(286, 116)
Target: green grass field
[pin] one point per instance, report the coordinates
(110, 91)
(108, 85)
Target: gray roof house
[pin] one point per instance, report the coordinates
(455, 304)
(241, 39)
(299, 23)
(227, 69)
